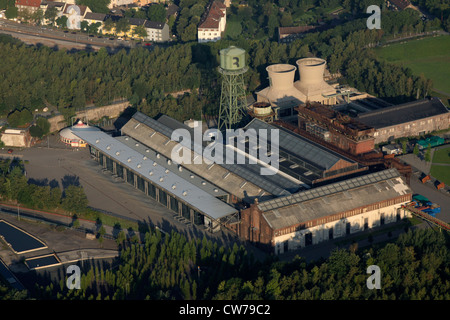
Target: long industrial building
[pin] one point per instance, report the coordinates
(314, 191)
(327, 212)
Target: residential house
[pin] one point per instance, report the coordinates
(213, 22)
(46, 5)
(28, 5)
(117, 3)
(93, 17)
(289, 34)
(157, 31)
(400, 4)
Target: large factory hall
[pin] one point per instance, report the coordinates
(329, 181)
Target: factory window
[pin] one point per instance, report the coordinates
(130, 177)
(330, 233)
(366, 223)
(199, 219)
(119, 170)
(347, 228)
(174, 204)
(140, 184)
(151, 190)
(109, 164)
(308, 239)
(163, 197)
(185, 211)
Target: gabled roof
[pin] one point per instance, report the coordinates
(401, 4)
(294, 30)
(29, 3)
(95, 16)
(82, 8)
(136, 21)
(402, 113)
(334, 199)
(154, 24)
(213, 16)
(160, 176)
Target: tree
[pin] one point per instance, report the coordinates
(84, 26)
(94, 27)
(62, 21)
(100, 6)
(43, 124)
(108, 25)
(141, 32)
(51, 14)
(36, 132)
(428, 153)
(19, 118)
(123, 26)
(157, 12)
(416, 149)
(75, 200)
(11, 12)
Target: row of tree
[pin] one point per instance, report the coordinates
(33, 77)
(169, 266)
(15, 187)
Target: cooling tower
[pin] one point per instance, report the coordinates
(281, 76)
(311, 71)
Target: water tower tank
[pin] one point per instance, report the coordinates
(232, 58)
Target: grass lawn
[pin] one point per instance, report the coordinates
(442, 156)
(442, 173)
(429, 56)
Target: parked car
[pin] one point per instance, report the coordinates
(10, 150)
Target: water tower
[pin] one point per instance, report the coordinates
(232, 98)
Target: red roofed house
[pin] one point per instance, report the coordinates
(401, 4)
(30, 5)
(213, 22)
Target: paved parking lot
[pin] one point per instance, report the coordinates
(52, 163)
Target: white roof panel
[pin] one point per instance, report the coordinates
(160, 176)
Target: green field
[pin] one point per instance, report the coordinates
(430, 56)
(442, 156)
(441, 172)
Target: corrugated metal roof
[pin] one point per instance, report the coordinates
(300, 147)
(158, 175)
(274, 184)
(329, 189)
(376, 188)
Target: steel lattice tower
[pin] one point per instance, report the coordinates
(232, 97)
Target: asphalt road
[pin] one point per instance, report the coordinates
(68, 39)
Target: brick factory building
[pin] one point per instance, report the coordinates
(409, 119)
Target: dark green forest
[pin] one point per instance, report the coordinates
(33, 77)
(169, 267)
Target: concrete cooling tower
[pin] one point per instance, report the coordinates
(311, 83)
(281, 89)
(281, 76)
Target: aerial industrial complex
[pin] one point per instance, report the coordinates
(328, 180)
